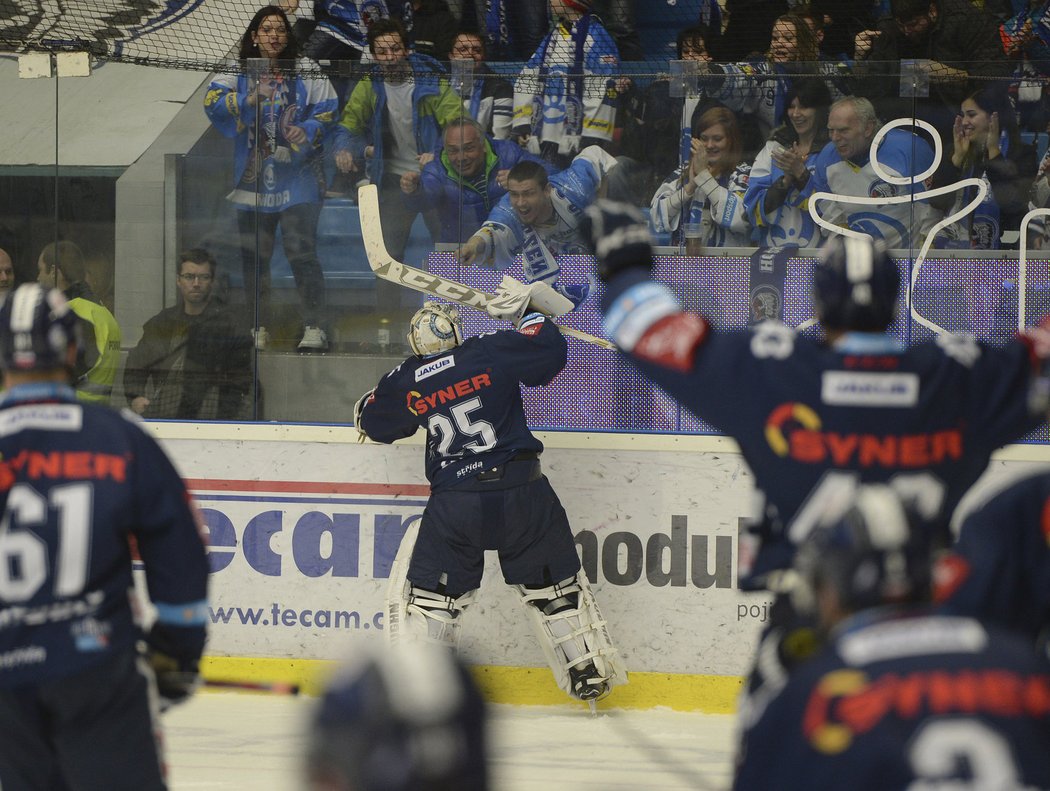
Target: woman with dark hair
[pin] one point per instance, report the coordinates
(710, 191)
(278, 118)
(757, 88)
(774, 202)
(986, 144)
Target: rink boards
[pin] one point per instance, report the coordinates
(304, 523)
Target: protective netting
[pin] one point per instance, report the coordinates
(201, 34)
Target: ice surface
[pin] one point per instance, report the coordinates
(248, 741)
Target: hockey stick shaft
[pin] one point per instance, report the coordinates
(275, 688)
(386, 268)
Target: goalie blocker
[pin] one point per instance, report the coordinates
(488, 491)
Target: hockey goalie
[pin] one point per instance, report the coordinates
(488, 491)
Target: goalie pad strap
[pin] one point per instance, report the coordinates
(573, 634)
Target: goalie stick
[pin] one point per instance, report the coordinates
(384, 266)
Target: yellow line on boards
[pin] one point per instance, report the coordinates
(531, 686)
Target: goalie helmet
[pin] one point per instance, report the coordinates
(876, 552)
(408, 719)
(36, 327)
(855, 285)
(435, 328)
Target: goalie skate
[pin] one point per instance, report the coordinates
(574, 638)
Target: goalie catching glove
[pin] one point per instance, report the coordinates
(618, 233)
(513, 299)
(176, 671)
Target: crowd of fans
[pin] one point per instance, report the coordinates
(734, 137)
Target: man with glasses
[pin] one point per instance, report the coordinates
(192, 363)
(959, 41)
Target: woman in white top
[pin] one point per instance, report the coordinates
(710, 191)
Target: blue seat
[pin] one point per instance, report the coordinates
(341, 250)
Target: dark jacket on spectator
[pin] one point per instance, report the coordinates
(463, 205)
(963, 37)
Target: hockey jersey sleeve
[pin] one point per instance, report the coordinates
(669, 204)
(502, 234)
(537, 351)
(383, 416)
(170, 543)
(226, 104)
(726, 202)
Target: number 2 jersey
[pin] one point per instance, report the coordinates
(468, 399)
(905, 701)
(924, 418)
(78, 484)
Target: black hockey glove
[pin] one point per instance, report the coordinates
(178, 674)
(618, 233)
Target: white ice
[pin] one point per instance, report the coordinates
(249, 741)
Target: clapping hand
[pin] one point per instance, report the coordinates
(791, 160)
(697, 158)
(992, 146)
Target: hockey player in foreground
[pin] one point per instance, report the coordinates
(809, 414)
(409, 718)
(999, 569)
(812, 416)
(79, 483)
(901, 696)
(487, 489)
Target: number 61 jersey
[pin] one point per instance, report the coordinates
(78, 484)
(468, 399)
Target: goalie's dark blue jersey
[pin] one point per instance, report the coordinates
(904, 701)
(999, 569)
(78, 484)
(468, 399)
(925, 418)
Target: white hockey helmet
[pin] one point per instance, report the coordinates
(435, 328)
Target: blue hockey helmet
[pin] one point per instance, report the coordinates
(855, 285)
(36, 327)
(873, 550)
(408, 719)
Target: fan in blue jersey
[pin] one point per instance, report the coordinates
(999, 568)
(539, 218)
(487, 489)
(81, 487)
(901, 696)
(808, 414)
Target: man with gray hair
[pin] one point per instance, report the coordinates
(466, 180)
(845, 168)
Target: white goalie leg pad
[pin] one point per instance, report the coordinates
(414, 614)
(433, 617)
(398, 586)
(574, 637)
